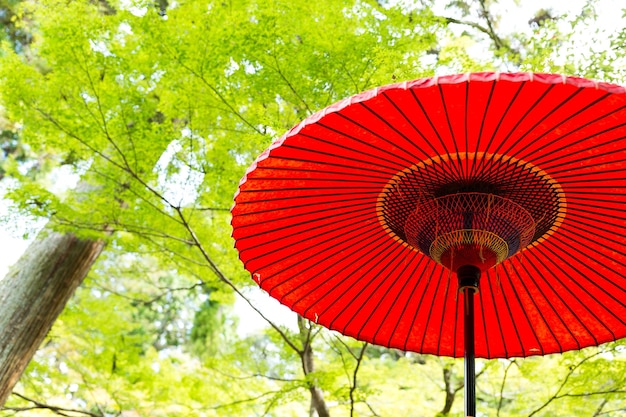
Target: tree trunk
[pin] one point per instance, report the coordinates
(450, 391)
(308, 366)
(34, 293)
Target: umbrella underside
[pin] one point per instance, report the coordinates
(479, 216)
(356, 217)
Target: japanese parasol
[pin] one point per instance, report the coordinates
(467, 215)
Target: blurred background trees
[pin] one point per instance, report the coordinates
(127, 125)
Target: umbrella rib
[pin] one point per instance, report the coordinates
(474, 172)
(575, 260)
(402, 273)
(570, 186)
(378, 184)
(352, 202)
(305, 222)
(493, 300)
(586, 179)
(419, 305)
(598, 200)
(564, 147)
(554, 293)
(419, 132)
(366, 171)
(302, 223)
(521, 306)
(600, 277)
(379, 136)
(406, 305)
(358, 226)
(569, 162)
(502, 117)
(595, 213)
(465, 125)
(372, 162)
(382, 151)
(457, 318)
(447, 114)
(573, 191)
(363, 238)
(392, 127)
(485, 332)
(409, 121)
(379, 302)
(293, 197)
(370, 260)
(572, 218)
(583, 305)
(430, 310)
(443, 310)
(552, 112)
(430, 122)
(587, 245)
(376, 189)
(566, 289)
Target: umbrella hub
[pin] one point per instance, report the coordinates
(471, 209)
(469, 229)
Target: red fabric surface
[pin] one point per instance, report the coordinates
(306, 226)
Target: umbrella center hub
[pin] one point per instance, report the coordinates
(473, 209)
(469, 229)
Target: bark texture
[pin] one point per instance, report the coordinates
(33, 295)
(308, 366)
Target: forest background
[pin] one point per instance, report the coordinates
(125, 127)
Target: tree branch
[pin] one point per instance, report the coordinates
(558, 394)
(220, 275)
(61, 411)
(308, 367)
(216, 92)
(491, 31)
(291, 87)
(353, 384)
(506, 371)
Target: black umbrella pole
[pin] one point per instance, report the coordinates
(468, 284)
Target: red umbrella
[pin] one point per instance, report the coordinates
(361, 217)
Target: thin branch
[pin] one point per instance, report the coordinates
(136, 194)
(42, 406)
(348, 348)
(506, 372)
(220, 275)
(210, 209)
(166, 249)
(610, 412)
(374, 413)
(558, 394)
(291, 87)
(216, 92)
(600, 407)
(153, 299)
(252, 399)
(103, 119)
(124, 167)
(470, 24)
(590, 394)
(353, 384)
(255, 375)
(491, 32)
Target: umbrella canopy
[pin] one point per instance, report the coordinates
(357, 217)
